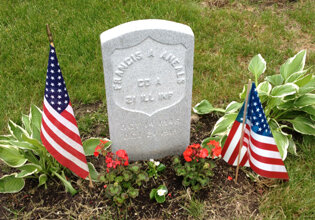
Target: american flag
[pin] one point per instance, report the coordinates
(59, 130)
(259, 150)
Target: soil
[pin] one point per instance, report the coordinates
(224, 199)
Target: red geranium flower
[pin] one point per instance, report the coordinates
(216, 152)
(96, 151)
(122, 154)
(103, 141)
(214, 143)
(196, 146)
(187, 154)
(203, 153)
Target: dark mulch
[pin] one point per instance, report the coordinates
(223, 200)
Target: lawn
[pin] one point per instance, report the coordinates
(228, 34)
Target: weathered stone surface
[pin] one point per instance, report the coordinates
(148, 69)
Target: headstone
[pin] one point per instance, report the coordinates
(148, 69)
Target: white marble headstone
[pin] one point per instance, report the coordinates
(148, 69)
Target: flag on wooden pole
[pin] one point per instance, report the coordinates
(259, 150)
(59, 130)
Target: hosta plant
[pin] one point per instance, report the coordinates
(197, 168)
(121, 179)
(23, 150)
(159, 194)
(288, 99)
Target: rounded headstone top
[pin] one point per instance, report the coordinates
(148, 24)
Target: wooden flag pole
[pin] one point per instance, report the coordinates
(51, 41)
(50, 38)
(243, 129)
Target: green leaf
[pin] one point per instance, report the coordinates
(309, 109)
(305, 100)
(308, 87)
(66, 183)
(185, 182)
(94, 174)
(264, 88)
(10, 184)
(127, 175)
(222, 126)
(35, 121)
(119, 200)
(30, 156)
(89, 145)
(160, 167)
(257, 66)
(16, 131)
(114, 189)
(292, 147)
(12, 156)
(180, 171)
(205, 142)
(119, 179)
(233, 107)
(6, 137)
(133, 193)
(143, 176)
(242, 95)
(223, 139)
(135, 168)
(303, 125)
(275, 80)
(304, 80)
(28, 169)
(293, 64)
(34, 142)
(153, 193)
(159, 199)
(284, 90)
(42, 179)
(204, 107)
(26, 123)
(282, 142)
(23, 145)
(296, 76)
(286, 105)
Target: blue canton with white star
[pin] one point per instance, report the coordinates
(55, 92)
(255, 114)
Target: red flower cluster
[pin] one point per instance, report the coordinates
(195, 151)
(114, 160)
(99, 147)
(215, 148)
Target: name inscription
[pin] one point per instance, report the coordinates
(151, 76)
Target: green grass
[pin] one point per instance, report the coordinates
(294, 199)
(225, 40)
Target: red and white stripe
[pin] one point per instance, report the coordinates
(60, 135)
(259, 152)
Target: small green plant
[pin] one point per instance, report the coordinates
(121, 179)
(288, 99)
(23, 150)
(197, 168)
(159, 194)
(154, 168)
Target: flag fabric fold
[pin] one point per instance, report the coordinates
(59, 130)
(259, 150)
